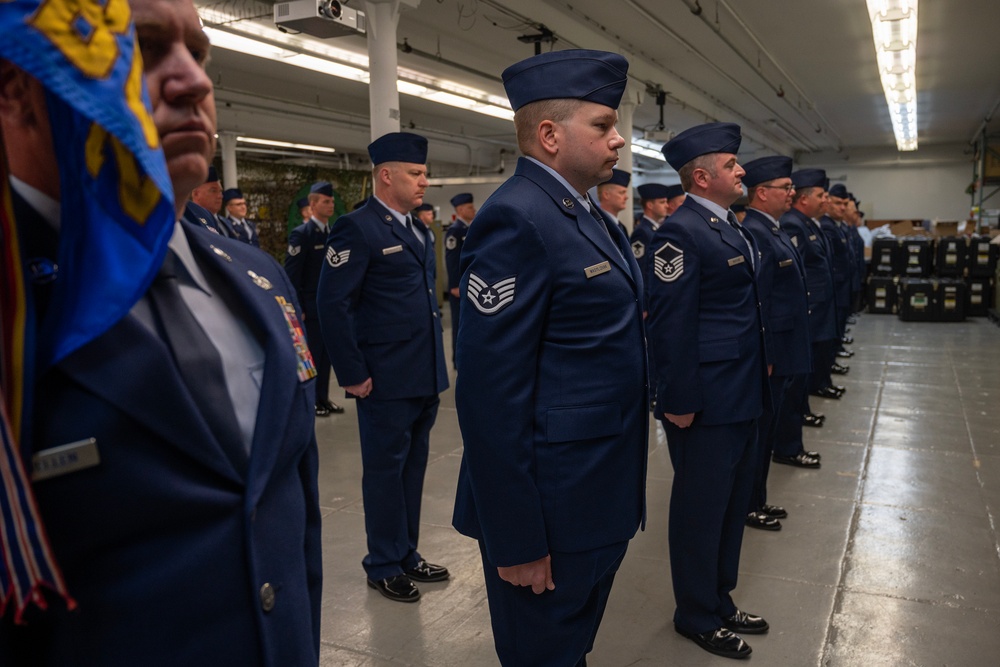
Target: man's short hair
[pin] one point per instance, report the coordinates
(800, 193)
(706, 162)
(528, 117)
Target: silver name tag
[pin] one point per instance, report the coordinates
(812, 237)
(389, 251)
(319, 247)
(597, 269)
(737, 260)
(787, 262)
(64, 459)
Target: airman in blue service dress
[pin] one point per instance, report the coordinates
(645, 226)
(706, 335)
(303, 264)
(551, 395)
(619, 179)
(781, 283)
(382, 327)
(174, 544)
(454, 238)
(244, 228)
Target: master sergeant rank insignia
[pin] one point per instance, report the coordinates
(668, 263)
(491, 299)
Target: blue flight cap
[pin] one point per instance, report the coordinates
(675, 190)
(321, 188)
(653, 191)
(702, 140)
(809, 178)
(231, 194)
(213, 175)
(302, 203)
(765, 169)
(618, 177)
(463, 198)
(575, 74)
(839, 190)
(424, 207)
(398, 147)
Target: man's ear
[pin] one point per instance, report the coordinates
(548, 137)
(16, 88)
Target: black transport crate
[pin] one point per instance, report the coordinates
(882, 295)
(949, 300)
(950, 256)
(982, 260)
(914, 258)
(916, 300)
(978, 296)
(884, 256)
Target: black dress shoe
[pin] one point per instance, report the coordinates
(812, 455)
(322, 410)
(427, 572)
(398, 588)
(773, 511)
(746, 623)
(839, 388)
(818, 415)
(762, 521)
(800, 460)
(847, 340)
(811, 420)
(844, 354)
(826, 392)
(837, 369)
(720, 642)
(333, 408)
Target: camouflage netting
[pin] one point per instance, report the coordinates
(272, 189)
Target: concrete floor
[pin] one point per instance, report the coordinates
(890, 555)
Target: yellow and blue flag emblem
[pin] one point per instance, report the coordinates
(117, 215)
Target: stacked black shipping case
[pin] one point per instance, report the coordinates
(933, 280)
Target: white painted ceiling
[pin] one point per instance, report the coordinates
(798, 75)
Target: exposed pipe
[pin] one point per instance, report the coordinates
(986, 121)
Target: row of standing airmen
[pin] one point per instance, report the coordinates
(741, 322)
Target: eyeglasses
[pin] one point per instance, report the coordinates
(786, 188)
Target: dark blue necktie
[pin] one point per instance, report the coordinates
(197, 359)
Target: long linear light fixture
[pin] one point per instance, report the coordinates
(259, 40)
(285, 144)
(894, 29)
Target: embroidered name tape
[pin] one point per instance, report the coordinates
(736, 260)
(393, 249)
(786, 262)
(64, 459)
(597, 269)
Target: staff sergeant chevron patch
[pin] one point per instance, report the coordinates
(491, 299)
(337, 259)
(668, 263)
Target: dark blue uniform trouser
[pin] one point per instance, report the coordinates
(713, 479)
(556, 628)
(314, 338)
(455, 304)
(824, 353)
(788, 423)
(395, 440)
(767, 428)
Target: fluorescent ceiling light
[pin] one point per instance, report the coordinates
(286, 144)
(894, 31)
(259, 40)
(647, 149)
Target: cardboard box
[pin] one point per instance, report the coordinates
(945, 228)
(905, 228)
